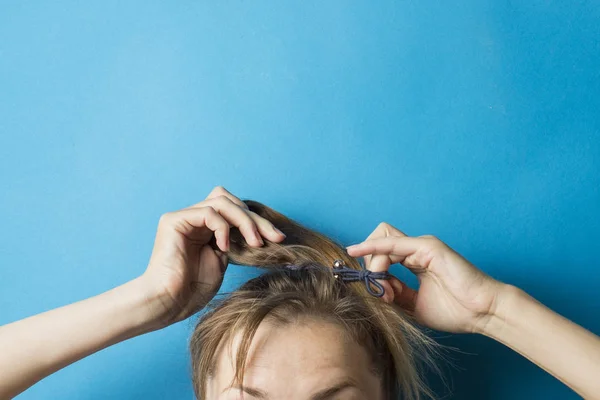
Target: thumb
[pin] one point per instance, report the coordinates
(404, 296)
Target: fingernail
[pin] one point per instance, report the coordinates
(278, 231)
(351, 246)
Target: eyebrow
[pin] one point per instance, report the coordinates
(332, 391)
(251, 391)
(322, 395)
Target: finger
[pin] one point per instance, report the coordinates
(223, 259)
(382, 230)
(190, 220)
(213, 269)
(254, 224)
(396, 248)
(221, 191)
(379, 263)
(237, 217)
(266, 228)
(404, 296)
(388, 291)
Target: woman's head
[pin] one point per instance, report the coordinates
(300, 333)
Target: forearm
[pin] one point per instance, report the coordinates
(35, 347)
(564, 349)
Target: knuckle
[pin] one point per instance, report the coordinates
(221, 226)
(216, 219)
(166, 217)
(219, 189)
(223, 200)
(383, 224)
(220, 198)
(434, 240)
(209, 210)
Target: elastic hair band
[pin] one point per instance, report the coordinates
(340, 270)
(369, 277)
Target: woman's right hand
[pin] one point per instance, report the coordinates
(453, 294)
(185, 270)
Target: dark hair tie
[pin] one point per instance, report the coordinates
(369, 277)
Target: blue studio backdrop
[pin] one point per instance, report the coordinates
(475, 121)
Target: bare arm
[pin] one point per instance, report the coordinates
(184, 273)
(455, 296)
(564, 349)
(35, 347)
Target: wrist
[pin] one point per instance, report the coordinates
(506, 301)
(145, 305)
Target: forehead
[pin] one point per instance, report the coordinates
(296, 362)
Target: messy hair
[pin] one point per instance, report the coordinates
(397, 347)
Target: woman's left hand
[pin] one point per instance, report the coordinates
(453, 294)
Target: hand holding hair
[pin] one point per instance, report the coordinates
(186, 270)
(455, 296)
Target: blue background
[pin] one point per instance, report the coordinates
(476, 121)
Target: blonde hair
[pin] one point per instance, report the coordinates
(397, 346)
